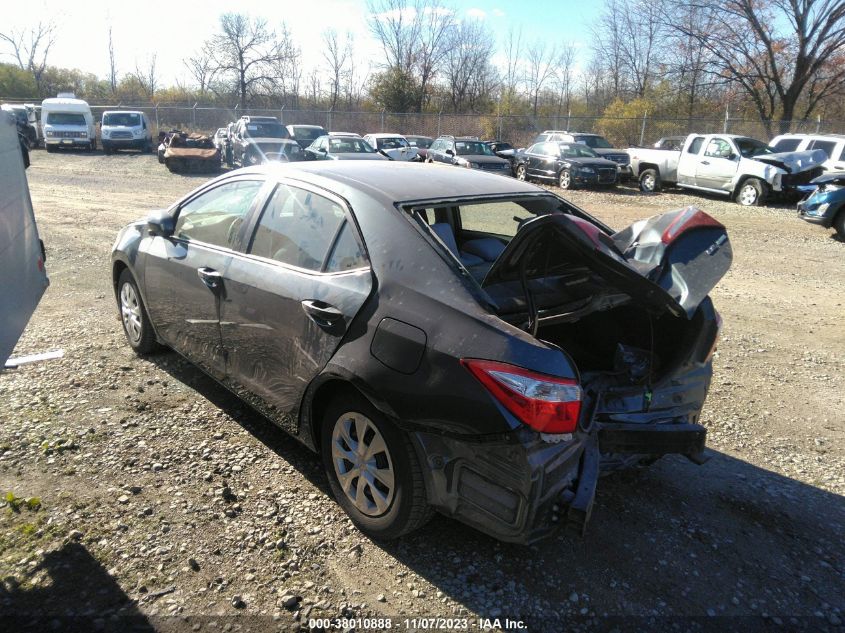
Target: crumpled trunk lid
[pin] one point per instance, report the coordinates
(794, 162)
(668, 262)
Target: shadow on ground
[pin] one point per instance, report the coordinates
(741, 544)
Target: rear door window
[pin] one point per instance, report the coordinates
(297, 228)
(695, 145)
(346, 254)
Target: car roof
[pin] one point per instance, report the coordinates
(386, 135)
(803, 135)
(393, 182)
(306, 125)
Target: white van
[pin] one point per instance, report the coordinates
(126, 129)
(831, 144)
(67, 122)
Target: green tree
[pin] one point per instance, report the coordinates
(395, 90)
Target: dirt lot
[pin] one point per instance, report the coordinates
(162, 496)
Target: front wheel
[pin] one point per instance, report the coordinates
(521, 173)
(372, 469)
(839, 224)
(565, 179)
(752, 193)
(133, 315)
(650, 181)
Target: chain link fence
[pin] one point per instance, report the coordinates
(516, 129)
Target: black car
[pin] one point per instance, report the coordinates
(466, 152)
(334, 147)
(567, 164)
(503, 150)
(25, 126)
(596, 142)
(446, 339)
(305, 134)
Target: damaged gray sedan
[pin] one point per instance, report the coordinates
(446, 340)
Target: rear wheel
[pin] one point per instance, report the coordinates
(521, 174)
(650, 181)
(752, 193)
(133, 315)
(50, 148)
(373, 470)
(565, 180)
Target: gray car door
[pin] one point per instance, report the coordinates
(290, 297)
(183, 272)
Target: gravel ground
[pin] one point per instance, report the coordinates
(165, 499)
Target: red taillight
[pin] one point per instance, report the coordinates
(691, 218)
(545, 403)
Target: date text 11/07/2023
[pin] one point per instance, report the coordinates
(416, 624)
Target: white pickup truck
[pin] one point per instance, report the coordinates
(744, 168)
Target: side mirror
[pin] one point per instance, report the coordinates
(323, 150)
(732, 156)
(449, 152)
(160, 225)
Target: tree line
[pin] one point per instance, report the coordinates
(772, 60)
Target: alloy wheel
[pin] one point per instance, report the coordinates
(130, 312)
(647, 183)
(520, 172)
(565, 179)
(748, 196)
(363, 464)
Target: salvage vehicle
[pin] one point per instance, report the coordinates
(256, 140)
(446, 339)
(568, 164)
(124, 129)
(674, 143)
(833, 145)
(67, 122)
(745, 169)
(191, 153)
(23, 275)
(393, 146)
(825, 203)
(336, 147)
(504, 150)
(599, 144)
(469, 152)
(420, 143)
(305, 134)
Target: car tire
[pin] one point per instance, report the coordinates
(839, 224)
(751, 193)
(521, 174)
(564, 180)
(650, 181)
(107, 149)
(378, 510)
(148, 148)
(50, 148)
(133, 316)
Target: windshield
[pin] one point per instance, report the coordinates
(307, 133)
(594, 141)
(349, 146)
(125, 119)
(393, 142)
(65, 118)
(420, 141)
(750, 147)
(577, 151)
(476, 148)
(501, 147)
(266, 130)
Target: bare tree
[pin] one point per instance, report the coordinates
(112, 65)
(539, 69)
(202, 68)
(30, 48)
(467, 68)
(336, 56)
(641, 32)
(785, 55)
(286, 70)
(246, 51)
(147, 76)
(413, 38)
(564, 73)
(512, 74)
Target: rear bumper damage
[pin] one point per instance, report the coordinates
(523, 489)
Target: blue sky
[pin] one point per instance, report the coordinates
(139, 29)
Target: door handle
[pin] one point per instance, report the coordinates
(321, 312)
(705, 162)
(210, 278)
